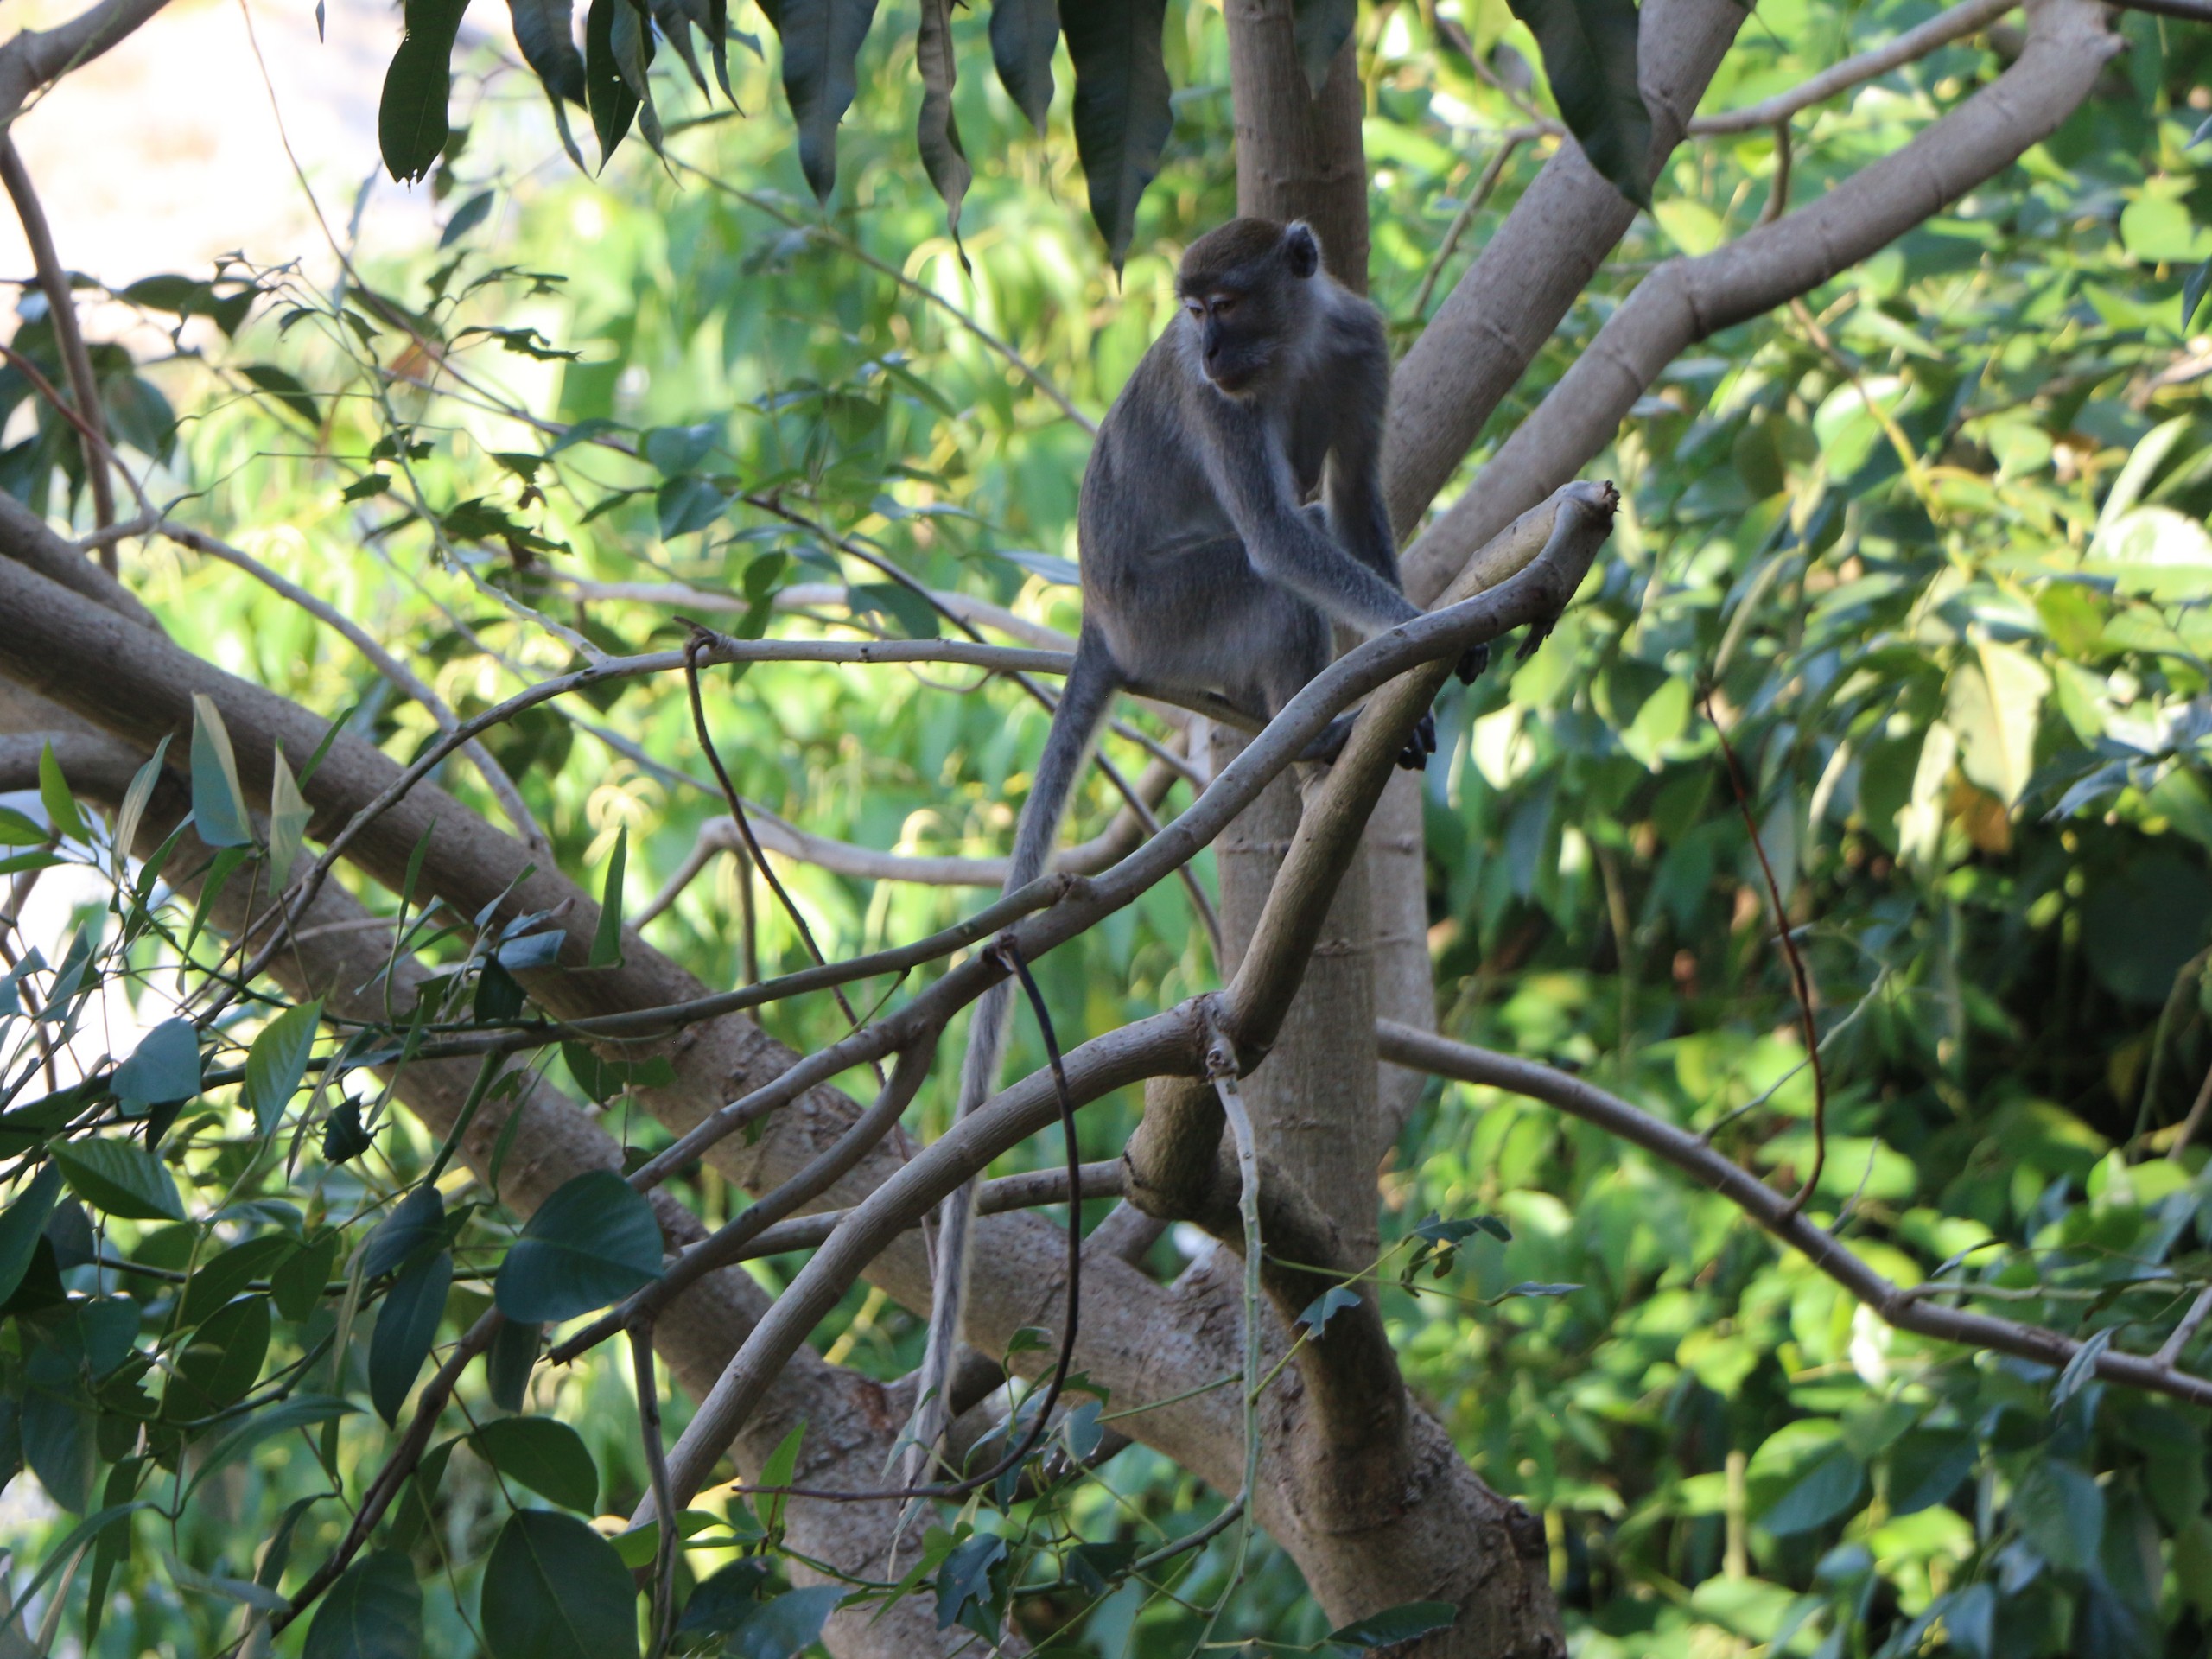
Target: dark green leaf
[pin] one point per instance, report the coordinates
(1326, 1307)
(1023, 35)
(467, 217)
(543, 1454)
(822, 43)
(2192, 293)
(1590, 56)
(227, 1274)
(725, 1600)
(54, 794)
(301, 1411)
(1827, 1489)
(412, 1517)
(2080, 1369)
(543, 33)
(593, 1241)
(374, 1611)
(676, 450)
(411, 128)
(287, 389)
(296, 1287)
(2060, 1511)
(217, 802)
(965, 1579)
(500, 996)
(121, 1178)
(508, 1361)
(1319, 28)
(614, 106)
(937, 132)
(343, 1136)
(415, 1222)
(684, 505)
(554, 1589)
(165, 1066)
(406, 1326)
(1123, 115)
(787, 1626)
(221, 1362)
(603, 1079)
(606, 942)
(277, 1061)
(1396, 1624)
(60, 1445)
(22, 1224)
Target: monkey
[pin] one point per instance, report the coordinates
(1205, 568)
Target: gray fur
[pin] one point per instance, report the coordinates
(1202, 568)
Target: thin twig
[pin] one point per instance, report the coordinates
(702, 639)
(1512, 140)
(1800, 980)
(68, 337)
(1914, 44)
(664, 1565)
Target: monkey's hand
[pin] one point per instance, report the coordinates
(1422, 744)
(1472, 664)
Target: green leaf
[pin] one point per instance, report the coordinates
(414, 1222)
(1122, 112)
(2060, 1511)
(1827, 1490)
(545, 37)
(134, 801)
(23, 1224)
(60, 1445)
(467, 217)
(1319, 28)
(374, 1611)
(277, 1061)
(164, 1067)
(554, 1589)
(725, 1600)
(68, 1551)
(604, 1079)
(1023, 35)
(1326, 1307)
(543, 1454)
(789, 1625)
(1396, 1624)
(614, 106)
(217, 801)
(287, 389)
(822, 43)
(592, 1242)
(508, 1361)
(16, 830)
(296, 1286)
(937, 132)
(1590, 57)
(228, 1274)
(676, 450)
(120, 1178)
(301, 1411)
(221, 1362)
(406, 1326)
(2192, 293)
(684, 505)
(965, 1581)
(607, 944)
(61, 809)
(287, 821)
(411, 128)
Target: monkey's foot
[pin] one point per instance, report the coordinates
(1472, 663)
(1422, 744)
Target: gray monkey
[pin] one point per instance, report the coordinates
(1202, 570)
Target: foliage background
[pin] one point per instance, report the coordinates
(1938, 543)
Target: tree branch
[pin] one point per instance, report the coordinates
(1897, 1304)
(1687, 299)
(36, 58)
(1914, 44)
(68, 337)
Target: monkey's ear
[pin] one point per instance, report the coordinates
(1300, 249)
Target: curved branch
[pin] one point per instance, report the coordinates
(1687, 299)
(1897, 1304)
(38, 57)
(1914, 44)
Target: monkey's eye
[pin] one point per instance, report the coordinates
(1196, 308)
(1223, 304)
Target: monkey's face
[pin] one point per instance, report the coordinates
(1239, 332)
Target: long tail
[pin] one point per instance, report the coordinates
(1089, 688)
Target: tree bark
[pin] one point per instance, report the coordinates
(1298, 157)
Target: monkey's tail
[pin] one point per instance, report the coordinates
(1084, 700)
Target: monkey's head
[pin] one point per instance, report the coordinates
(1247, 292)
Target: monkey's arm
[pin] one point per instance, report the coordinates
(1251, 478)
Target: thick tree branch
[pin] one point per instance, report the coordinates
(1506, 304)
(1686, 300)
(1906, 1308)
